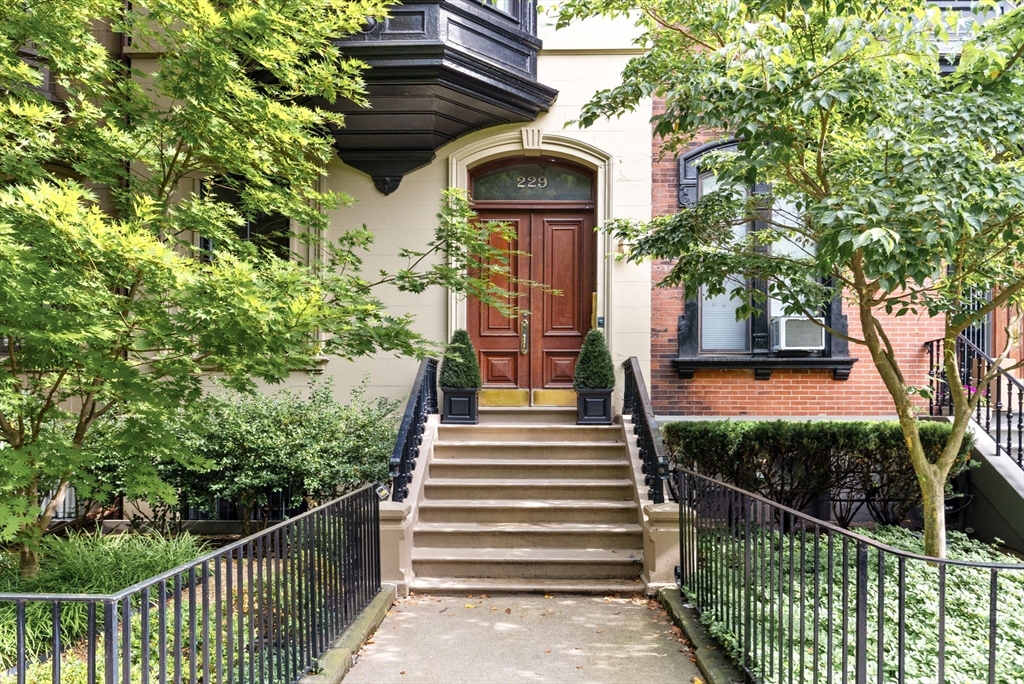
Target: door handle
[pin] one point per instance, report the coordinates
(524, 336)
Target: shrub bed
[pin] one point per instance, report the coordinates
(854, 463)
(82, 564)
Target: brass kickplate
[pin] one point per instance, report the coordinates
(504, 397)
(554, 397)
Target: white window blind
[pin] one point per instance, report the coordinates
(719, 329)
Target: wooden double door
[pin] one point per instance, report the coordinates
(538, 348)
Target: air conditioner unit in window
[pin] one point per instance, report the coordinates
(797, 333)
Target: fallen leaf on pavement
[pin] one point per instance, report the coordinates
(470, 605)
(508, 611)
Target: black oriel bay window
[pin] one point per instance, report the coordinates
(710, 336)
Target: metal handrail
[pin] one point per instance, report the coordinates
(1000, 412)
(421, 403)
(637, 403)
(796, 598)
(264, 607)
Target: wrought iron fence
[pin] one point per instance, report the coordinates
(795, 599)
(422, 402)
(262, 609)
(1000, 410)
(637, 404)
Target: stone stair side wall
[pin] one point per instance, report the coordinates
(660, 524)
(398, 519)
(997, 511)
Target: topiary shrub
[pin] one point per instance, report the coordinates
(594, 367)
(460, 368)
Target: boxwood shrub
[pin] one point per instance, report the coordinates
(460, 368)
(794, 463)
(594, 367)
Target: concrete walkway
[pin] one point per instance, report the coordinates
(525, 638)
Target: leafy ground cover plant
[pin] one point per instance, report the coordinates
(799, 609)
(793, 463)
(594, 367)
(82, 564)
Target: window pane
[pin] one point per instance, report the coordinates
(719, 330)
(532, 182)
(784, 213)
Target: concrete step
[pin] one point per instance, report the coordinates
(537, 511)
(530, 450)
(494, 586)
(473, 488)
(508, 535)
(622, 564)
(566, 469)
(530, 433)
(525, 415)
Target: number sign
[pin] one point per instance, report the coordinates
(532, 182)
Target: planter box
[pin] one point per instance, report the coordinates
(594, 407)
(460, 406)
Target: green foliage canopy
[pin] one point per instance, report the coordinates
(904, 187)
(107, 174)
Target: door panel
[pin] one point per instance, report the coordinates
(566, 264)
(496, 337)
(560, 252)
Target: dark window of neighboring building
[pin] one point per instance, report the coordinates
(718, 331)
(271, 232)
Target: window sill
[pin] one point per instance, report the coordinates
(763, 366)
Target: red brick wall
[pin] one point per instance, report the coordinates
(788, 392)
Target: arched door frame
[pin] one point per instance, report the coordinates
(536, 142)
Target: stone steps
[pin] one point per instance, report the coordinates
(527, 415)
(543, 469)
(529, 535)
(528, 563)
(535, 511)
(493, 586)
(527, 501)
(530, 433)
(528, 489)
(529, 450)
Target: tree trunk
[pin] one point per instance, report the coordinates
(30, 557)
(933, 490)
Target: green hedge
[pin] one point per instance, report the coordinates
(794, 463)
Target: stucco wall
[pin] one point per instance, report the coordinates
(573, 64)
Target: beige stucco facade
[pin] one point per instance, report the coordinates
(577, 62)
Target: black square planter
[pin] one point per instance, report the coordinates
(594, 406)
(460, 406)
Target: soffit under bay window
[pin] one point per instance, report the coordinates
(709, 336)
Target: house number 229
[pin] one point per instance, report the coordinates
(532, 182)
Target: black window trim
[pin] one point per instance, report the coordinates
(690, 357)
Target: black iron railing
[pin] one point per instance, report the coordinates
(422, 402)
(636, 403)
(795, 599)
(1000, 410)
(262, 609)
